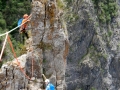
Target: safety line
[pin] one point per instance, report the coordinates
(3, 46)
(15, 27)
(16, 58)
(10, 43)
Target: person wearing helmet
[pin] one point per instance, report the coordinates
(24, 26)
(49, 86)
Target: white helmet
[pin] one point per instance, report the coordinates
(47, 80)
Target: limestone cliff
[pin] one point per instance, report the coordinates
(47, 50)
(93, 60)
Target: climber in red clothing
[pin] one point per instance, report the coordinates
(23, 27)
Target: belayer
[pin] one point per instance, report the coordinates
(24, 22)
(49, 86)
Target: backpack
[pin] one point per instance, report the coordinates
(52, 87)
(20, 21)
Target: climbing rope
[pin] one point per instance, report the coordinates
(15, 56)
(10, 43)
(32, 64)
(3, 46)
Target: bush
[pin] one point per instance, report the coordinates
(2, 23)
(69, 1)
(107, 10)
(20, 4)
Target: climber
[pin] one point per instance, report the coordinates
(49, 86)
(23, 27)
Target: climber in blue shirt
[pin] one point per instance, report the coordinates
(49, 86)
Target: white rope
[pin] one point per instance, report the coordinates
(14, 28)
(3, 46)
(10, 31)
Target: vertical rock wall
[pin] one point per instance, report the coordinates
(94, 58)
(81, 33)
(50, 44)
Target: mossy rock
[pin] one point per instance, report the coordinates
(45, 46)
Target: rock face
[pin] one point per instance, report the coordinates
(47, 52)
(93, 60)
(49, 43)
(11, 77)
(81, 35)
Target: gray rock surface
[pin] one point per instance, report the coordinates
(49, 43)
(93, 60)
(11, 77)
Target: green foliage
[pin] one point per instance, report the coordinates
(19, 47)
(102, 18)
(95, 55)
(1, 16)
(106, 9)
(69, 15)
(45, 46)
(2, 23)
(72, 17)
(93, 88)
(60, 4)
(110, 33)
(12, 10)
(69, 2)
(20, 4)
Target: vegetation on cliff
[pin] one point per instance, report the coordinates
(106, 10)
